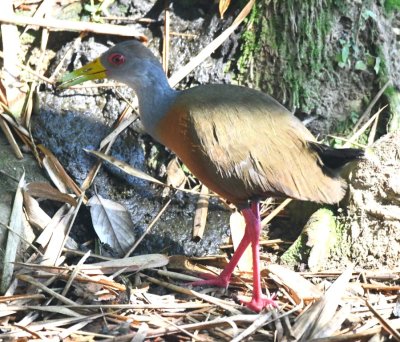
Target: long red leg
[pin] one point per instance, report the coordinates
(253, 221)
(252, 235)
(224, 278)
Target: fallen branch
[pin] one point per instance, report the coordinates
(77, 26)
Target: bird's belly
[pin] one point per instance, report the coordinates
(176, 132)
(228, 185)
(231, 188)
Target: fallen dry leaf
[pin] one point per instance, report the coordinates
(131, 264)
(313, 322)
(46, 191)
(299, 287)
(36, 216)
(13, 238)
(223, 6)
(112, 223)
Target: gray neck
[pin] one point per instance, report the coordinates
(155, 96)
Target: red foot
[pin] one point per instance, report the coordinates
(211, 280)
(257, 304)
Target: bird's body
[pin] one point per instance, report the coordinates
(239, 142)
(235, 134)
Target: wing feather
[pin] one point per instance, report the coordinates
(252, 147)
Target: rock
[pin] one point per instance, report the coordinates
(373, 217)
(315, 241)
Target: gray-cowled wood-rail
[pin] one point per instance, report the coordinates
(240, 142)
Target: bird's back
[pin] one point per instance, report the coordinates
(244, 145)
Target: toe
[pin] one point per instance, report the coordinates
(211, 280)
(258, 304)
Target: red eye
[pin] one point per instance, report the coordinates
(116, 58)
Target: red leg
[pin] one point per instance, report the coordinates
(252, 235)
(252, 217)
(224, 278)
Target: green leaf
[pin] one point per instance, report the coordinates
(360, 65)
(368, 14)
(345, 53)
(377, 65)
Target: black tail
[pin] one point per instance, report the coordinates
(335, 158)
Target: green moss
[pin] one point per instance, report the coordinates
(301, 43)
(392, 5)
(393, 96)
(250, 39)
(293, 35)
(342, 245)
(316, 241)
(297, 252)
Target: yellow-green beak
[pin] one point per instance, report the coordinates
(92, 71)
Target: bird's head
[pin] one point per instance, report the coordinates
(125, 62)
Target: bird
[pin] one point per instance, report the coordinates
(239, 142)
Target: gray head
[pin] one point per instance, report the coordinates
(134, 64)
(129, 62)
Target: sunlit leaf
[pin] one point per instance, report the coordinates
(298, 287)
(57, 173)
(223, 6)
(314, 322)
(360, 65)
(238, 227)
(36, 216)
(58, 237)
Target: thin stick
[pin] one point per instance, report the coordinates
(200, 216)
(76, 252)
(10, 138)
(76, 26)
(363, 128)
(384, 322)
(34, 282)
(372, 133)
(176, 275)
(271, 242)
(165, 57)
(106, 144)
(366, 113)
(219, 302)
(157, 306)
(275, 212)
(21, 236)
(210, 48)
(74, 273)
(38, 296)
(380, 287)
